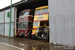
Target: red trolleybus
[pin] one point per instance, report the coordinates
(25, 23)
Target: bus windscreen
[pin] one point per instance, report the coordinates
(38, 11)
(36, 24)
(45, 10)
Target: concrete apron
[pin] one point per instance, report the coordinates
(28, 44)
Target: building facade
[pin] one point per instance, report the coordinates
(62, 22)
(61, 19)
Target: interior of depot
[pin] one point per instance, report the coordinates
(29, 5)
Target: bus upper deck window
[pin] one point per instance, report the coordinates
(38, 11)
(45, 10)
(22, 14)
(26, 13)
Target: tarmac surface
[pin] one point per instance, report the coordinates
(28, 44)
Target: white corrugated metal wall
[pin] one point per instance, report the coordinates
(7, 19)
(62, 21)
(2, 23)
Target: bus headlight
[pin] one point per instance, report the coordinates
(37, 30)
(25, 31)
(18, 31)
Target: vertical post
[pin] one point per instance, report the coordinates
(10, 19)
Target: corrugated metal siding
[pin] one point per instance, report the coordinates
(7, 19)
(62, 21)
(7, 29)
(2, 23)
(2, 17)
(1, 29)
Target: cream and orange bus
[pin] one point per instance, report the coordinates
(41, 23)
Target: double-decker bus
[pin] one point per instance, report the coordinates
(41, 23)
(25, 23)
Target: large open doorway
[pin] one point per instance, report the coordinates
(31, 4)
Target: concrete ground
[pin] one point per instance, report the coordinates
(28, 44)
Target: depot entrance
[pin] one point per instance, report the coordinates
(31, 4)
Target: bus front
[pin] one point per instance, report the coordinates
(25, 23)
(41, 23)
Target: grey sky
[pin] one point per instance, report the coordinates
(5, 3)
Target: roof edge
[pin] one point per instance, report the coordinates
(13, 5)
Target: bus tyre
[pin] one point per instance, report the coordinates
(29, 35)
(33, 37)
(17, 36)
(48, 37)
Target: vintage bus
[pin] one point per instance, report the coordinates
(25, 23)
(41, 23)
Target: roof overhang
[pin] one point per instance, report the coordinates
(13, 5)
(20, 2)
